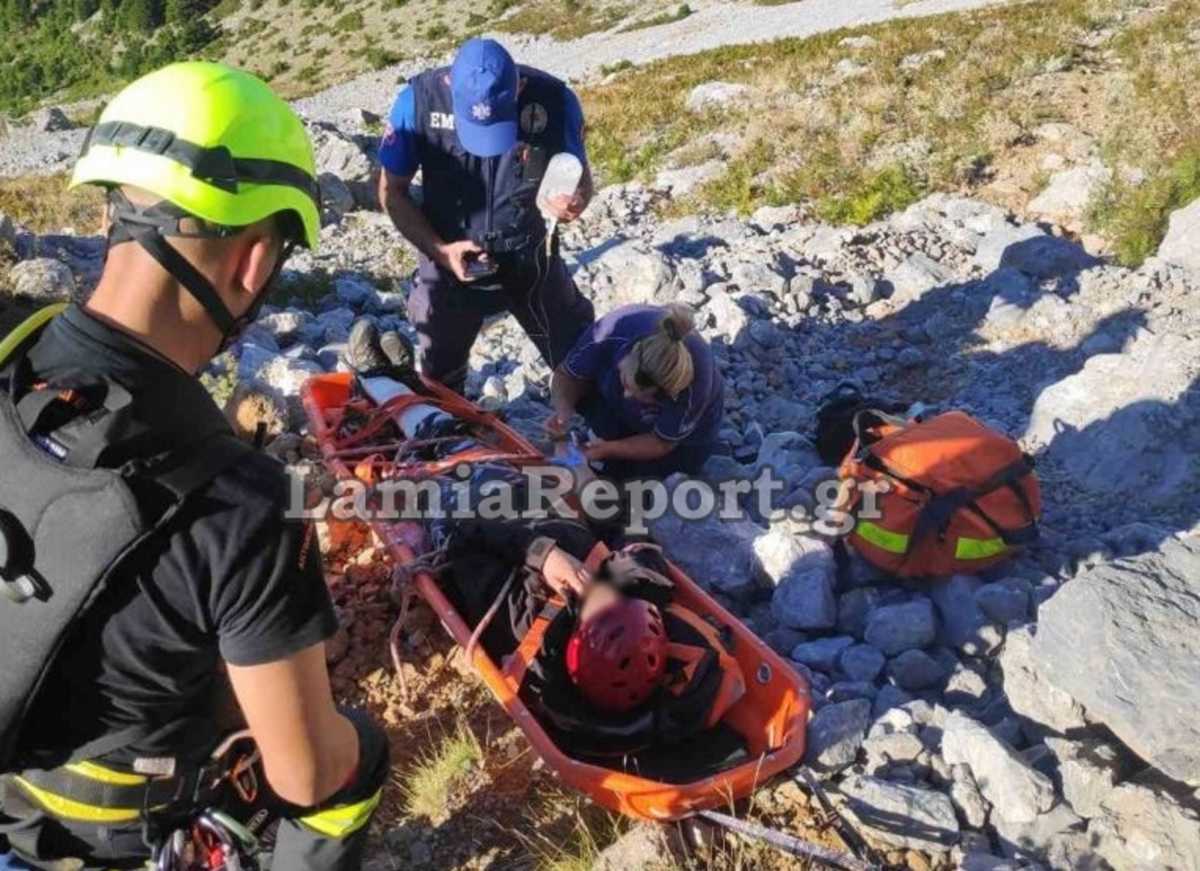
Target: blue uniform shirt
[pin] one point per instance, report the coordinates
(692, 418)
(398, 152)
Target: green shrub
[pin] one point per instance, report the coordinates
(609, 69)
(1135, 217)
(872, 197)
(350, 22)
(378, 58)
(437, 30)
(682, 12)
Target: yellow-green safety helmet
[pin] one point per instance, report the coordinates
(214, 141)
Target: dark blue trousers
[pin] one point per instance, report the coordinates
(535, 288)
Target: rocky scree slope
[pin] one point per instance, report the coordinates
(1042, 715)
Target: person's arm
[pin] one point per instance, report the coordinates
(415, 227)
(575, 132)
(309, 750)
(566, 391)
(519, 541)
(638, 448)
(400, 157)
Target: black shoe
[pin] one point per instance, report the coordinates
(363, 353)
(398, 349)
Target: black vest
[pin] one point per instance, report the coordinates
(67, 527)
(488, 200)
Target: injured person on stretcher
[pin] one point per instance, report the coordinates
(614, 669)
(608, 661)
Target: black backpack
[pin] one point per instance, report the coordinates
(835, 420)
(66, 529)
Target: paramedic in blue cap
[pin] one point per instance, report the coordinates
(482, 132)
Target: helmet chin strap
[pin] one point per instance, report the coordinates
(150, 228)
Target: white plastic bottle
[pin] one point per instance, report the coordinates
(562, 178)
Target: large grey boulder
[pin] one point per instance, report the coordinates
(342, 156)
(804, 572)
(899, 815)
(967, 799)
(1124, 640)
(1146, 830)
(642, 848)
(1181, 245)
(715, 95)
(636, 274)
(682, 181)
(336, 198)
(1056, 838)
(916, 670)
(690, 544)
(50, 119)
(835, 734)
(916, 276)
(42, 279)
(1070, 192)
(723, 316)
(1017, 792)
(894, 629)
(1122, 428)
(1088, 770)
(961, 616)
(822, 653)
(999, 239)
(1042, 706)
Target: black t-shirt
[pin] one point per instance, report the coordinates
(230, 579)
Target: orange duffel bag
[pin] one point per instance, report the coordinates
(953, 496)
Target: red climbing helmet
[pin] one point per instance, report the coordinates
(618, 656)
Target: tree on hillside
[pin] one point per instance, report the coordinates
(16, 12)
(141, 16)
(180, 11)
(85, 9)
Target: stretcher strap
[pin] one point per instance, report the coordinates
(519, 661)
(596, 557)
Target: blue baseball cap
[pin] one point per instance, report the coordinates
(483, 82)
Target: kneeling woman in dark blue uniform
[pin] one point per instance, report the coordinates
(648, 387)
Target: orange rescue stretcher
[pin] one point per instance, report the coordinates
(771, 717)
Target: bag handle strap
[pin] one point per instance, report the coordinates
(936, 514)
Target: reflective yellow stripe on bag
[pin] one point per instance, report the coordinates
(979, 548)
(74, 810)
(94, 771)
(343, 820)
(885, 539)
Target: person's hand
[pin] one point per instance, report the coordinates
(453, 256)
(566, 208)
(559, 422)
(597, 450)
(564, 574)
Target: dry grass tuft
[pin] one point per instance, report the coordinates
(945, 103)
(43, 204)
(428, 785)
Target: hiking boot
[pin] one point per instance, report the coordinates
(363, 353)
(398, 349)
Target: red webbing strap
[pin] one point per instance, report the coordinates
(519, 660)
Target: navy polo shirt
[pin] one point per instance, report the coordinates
(692, 418)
